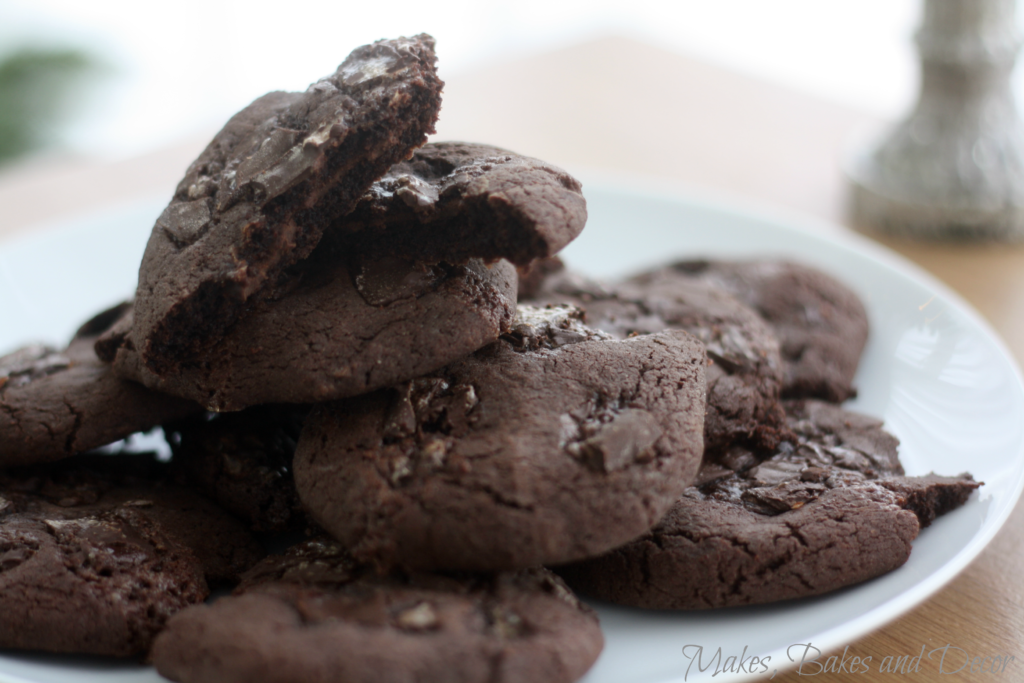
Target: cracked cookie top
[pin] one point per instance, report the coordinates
(830, 508)
(744, 373)
(315, 609)
(30, 363)
(550, 327)
(822, 326)
(553, 443)
(54, 404)
(97, 552)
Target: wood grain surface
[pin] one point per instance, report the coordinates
(620, 104)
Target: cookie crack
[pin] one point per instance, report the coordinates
(736, 584)
(494, 663)
(645, 565)
(69, 442)
(798, 537)
(12, 412)
(498, 498)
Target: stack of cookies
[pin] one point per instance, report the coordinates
(366, 356)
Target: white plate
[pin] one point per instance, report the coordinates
(935, 372)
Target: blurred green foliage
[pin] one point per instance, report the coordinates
(36, 88)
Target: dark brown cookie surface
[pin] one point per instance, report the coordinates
(455, 200)
(340, 330)
(220, 542)
(555, 442)
(822, 325)
(260, 196)
(54, 404)
(95, 554)
(829, 511)
(744, 373)
(533, 276)
(243, 461)
(315, 616)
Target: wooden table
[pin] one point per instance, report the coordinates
(618, 104)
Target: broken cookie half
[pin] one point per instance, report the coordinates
(260, 196)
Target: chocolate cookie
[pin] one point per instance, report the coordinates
(549, 281)
(821, 325)
(341, 329)
(260, 196)
(829, 510)
(455, 200)
(554, 443)
(533, 276)
(220, 542)
(244, 462)
(744, 373)
(316, 616)
(54, 404)
(95, 556)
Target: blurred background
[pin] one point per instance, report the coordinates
(116, 78)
